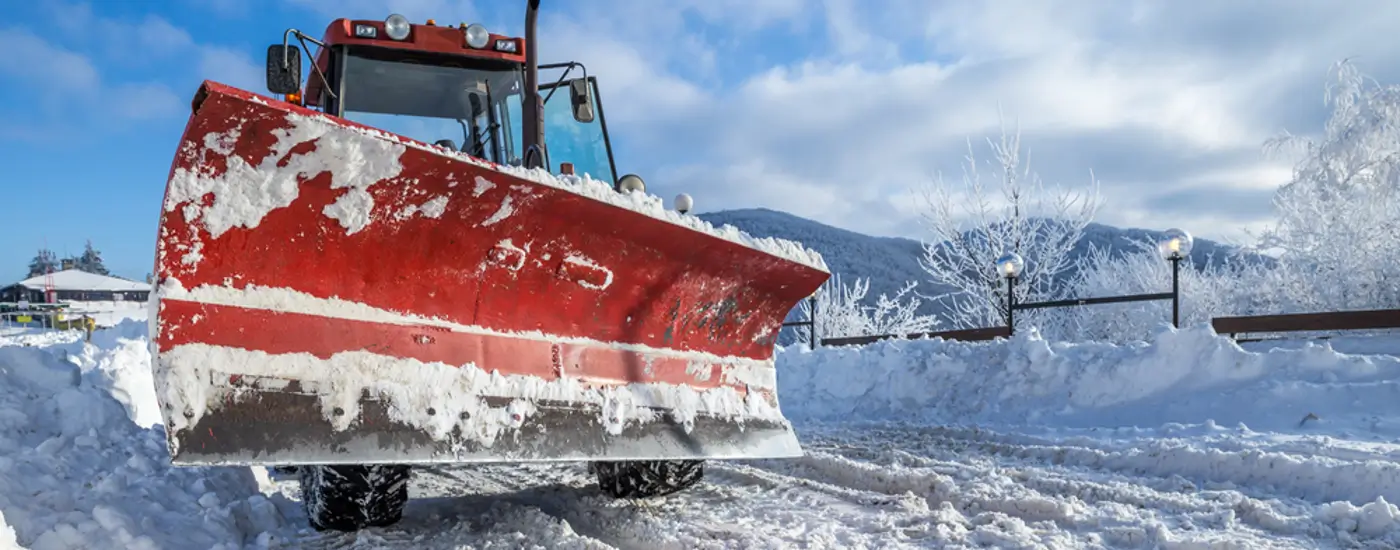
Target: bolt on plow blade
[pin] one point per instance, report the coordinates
(330, 293)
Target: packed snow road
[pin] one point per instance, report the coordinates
(884, 486)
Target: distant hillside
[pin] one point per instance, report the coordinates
(890, 262)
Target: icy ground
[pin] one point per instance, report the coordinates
(1187, 441)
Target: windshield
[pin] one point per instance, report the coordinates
(433, 102)
(583, 144)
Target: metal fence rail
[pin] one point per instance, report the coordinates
(50, 319)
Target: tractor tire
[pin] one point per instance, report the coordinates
(352, 497)
(647, 478)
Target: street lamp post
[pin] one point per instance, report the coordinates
(1010, 266)
(1176, 246)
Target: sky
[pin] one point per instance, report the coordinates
(834, 110)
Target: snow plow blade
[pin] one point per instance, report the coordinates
(329, 293)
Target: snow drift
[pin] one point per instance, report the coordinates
(1182, 376)
(77, 472)
(1298, 420)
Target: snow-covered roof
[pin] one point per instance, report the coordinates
(73, 279)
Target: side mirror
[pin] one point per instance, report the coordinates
(581, 98)
(283, 79)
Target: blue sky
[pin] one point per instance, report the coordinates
(831, 109)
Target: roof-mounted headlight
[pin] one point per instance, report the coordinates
(366, 31)
(630, 183)
(477, 37)
(396, 26)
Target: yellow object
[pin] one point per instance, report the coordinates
(24, 319)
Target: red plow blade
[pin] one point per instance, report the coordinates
(330, 293)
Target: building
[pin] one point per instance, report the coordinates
(72, 285)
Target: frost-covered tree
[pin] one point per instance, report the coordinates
(1233, 284)
(42, 263)
(970, 228)
(842, 312)
(1337, 217)
(1336, 236)
(90, 261)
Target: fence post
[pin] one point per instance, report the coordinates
(812, 328)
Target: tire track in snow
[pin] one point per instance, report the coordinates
(886, 487)
(563, 491)
(736, 506)
(1277, 470)
(723, 511)
(1077, 486)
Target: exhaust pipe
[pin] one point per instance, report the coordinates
(533, 115)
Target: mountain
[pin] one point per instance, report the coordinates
(891, 262)
(888, 262)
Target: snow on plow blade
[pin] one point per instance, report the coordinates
(329, 293)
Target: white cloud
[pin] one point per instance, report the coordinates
(1187, 92)
(224, 8)
(60, 70)
(31, 58)
(160, 37)
(446, 12)
(126, 42)
(231, 67)
(142, 101)
(1167, 102)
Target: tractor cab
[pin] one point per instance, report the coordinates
(461, 88)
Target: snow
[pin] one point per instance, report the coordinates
(1182, 376)
(1302, 422)
(481, 186)
(77, 472)
(417, 391)
(434, 208)
(244, 193)
(587, 263)
(501, 213)
(74, 279)
(360, 157)
(108, 314)
(1184, 441)
(294, 301)
(434, 396)
(642, 203)
(654, 206)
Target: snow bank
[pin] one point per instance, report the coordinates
(107, 314)
(1185, 376)
(1309, 430)
(76, 472)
